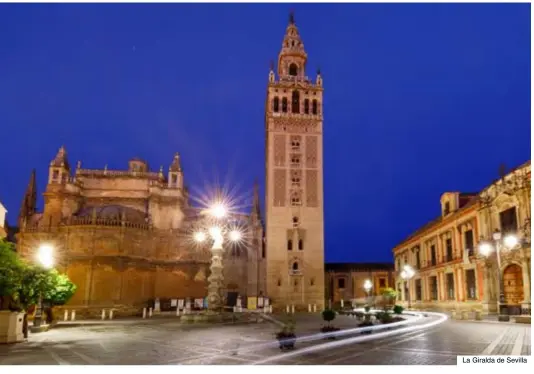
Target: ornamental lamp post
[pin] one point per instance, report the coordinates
(497, 244)
(406, 274)
(45, 258)
(216, 230)
(367, 286)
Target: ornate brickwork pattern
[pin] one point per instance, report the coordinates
(296, 178)
(279, 150)
(311, 152)
(296, 124)
(311, 189)
(279, 187)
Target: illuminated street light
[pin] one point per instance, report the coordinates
(485, 248)
(367, 285)
(45, 258)
(218, 210)
(235, 235)
(199, 237)
(406, 274)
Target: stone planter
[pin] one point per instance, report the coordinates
(478, 315)
(11, 327)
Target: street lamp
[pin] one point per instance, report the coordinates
(367, 285)
(216, 230)
(45, 258)
(406, 274)
(486, 248)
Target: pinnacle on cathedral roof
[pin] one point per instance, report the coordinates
(61, 158)
(176, 166)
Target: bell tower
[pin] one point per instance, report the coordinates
(294, 179)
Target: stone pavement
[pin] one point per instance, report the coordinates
(166, 341)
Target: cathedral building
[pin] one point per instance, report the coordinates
(455, 257)
(294, 179)
(3, 224)
(124, 237)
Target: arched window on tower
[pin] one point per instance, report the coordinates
(284, 104)
(290, 245)
(295, 266)
(295, 102)
(293, 70)
(314, 106)
(307, 106)
(276, 104)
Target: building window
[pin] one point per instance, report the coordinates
(450, 286)
(341, 283)
(284, 104)
(469, 242)
(262, 250)
(295, 144)
(295, 180)
(417, 260)
(295, 266)
(433, 255)
(314, 106)
(433, 288)
(508, 220)
(295, 199)
(290, 245)
(295, 102)
(471, 284)
(306, 106)
(382, 283)
(55, 175)
(295, 222)
(448, 246)
(418, 290)
(295, 160)
(301, 245)
(276, 104)
(293, 69)
(447, 208)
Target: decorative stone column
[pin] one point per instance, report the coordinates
(216, 278)
(525, 304)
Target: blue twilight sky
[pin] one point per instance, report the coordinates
(419, 99)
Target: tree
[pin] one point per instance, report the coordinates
(10, 275)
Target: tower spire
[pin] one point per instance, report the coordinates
(292, 58)
(29, 202)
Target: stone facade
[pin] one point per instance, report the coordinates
(345, 281)
(294, 179)
(124, 237)
(3, 225)
(451, 272)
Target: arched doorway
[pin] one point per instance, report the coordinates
(231, 295)
(513, 288)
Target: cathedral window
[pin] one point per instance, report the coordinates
(290, 245)
(174, 180)
(293, 69)
(284, 104)
(301, 245)
(295, 222)
(55, 175)
(295, 200)
(295, 160)
(295, 266)
(295, 181)
(276, 104)
(307, 106)
(295, 143)
(314, 107)
(295, 102)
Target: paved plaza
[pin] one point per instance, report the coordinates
(167, 341)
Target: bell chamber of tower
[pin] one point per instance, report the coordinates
(294, 179)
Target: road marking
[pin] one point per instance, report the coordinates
(494, 343)
(518, 344)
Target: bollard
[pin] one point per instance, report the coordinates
(287, 309)
(144, 312)
(270, 308)
(309, 308)
(314, 308)
(111, 314)
(235, 309)
(292, 309)
(73, 315)
(66, 315)
(177, 311)
(342, 304)
(149, 312)
(465, 315)
(453, 314)
(103, 314)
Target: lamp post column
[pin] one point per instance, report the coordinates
(502, 308)
(216, 277)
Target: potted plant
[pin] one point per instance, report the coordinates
(328, 316)
(286, 337)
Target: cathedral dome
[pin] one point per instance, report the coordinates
(113, 213)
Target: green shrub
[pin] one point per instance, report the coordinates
(367, 308)
(329, 315)
(398, 309)
(385, 318)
